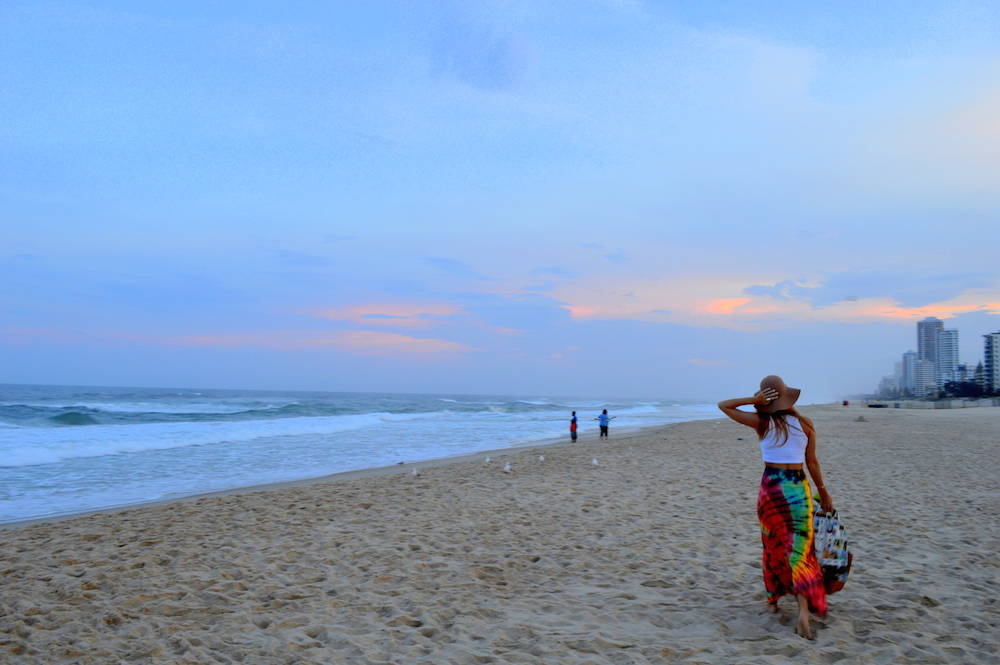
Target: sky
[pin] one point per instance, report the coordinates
(596, 198)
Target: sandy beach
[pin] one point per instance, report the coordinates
(649, 556)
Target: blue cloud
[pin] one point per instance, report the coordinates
(554, 271)
(616, 257)
(481, 53)
(540, 287)
(908, 288)
(613, 255)
(786, 290)
(454, 268)
(298, 259)
(522, 312)
(176, 292)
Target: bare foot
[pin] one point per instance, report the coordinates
(802, 627)
(772, 608)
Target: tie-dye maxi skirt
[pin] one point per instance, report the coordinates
(784, 507)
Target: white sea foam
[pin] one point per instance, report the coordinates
(28, 447)
(637, 410)
(154, 407)
(50, 466)
(184, 407)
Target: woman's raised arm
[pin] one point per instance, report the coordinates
(728, 406)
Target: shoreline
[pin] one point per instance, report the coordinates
(341, 476)
(651, 557)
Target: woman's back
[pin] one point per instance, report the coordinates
(776, 448)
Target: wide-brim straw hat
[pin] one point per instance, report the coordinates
(786, 396)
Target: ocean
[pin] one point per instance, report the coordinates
(66, 450)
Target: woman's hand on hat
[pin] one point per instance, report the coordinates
(765, 396)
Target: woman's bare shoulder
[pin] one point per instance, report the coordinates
(807, 424)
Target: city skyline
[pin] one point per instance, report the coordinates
(607, 198)
(936, 363)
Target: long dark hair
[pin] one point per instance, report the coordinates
(780, 420)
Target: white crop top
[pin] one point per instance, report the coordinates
(792, 451)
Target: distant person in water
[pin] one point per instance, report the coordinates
(572, 427)
(603, 420)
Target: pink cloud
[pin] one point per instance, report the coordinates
(579, 311)
(941, 310)
(723, 305)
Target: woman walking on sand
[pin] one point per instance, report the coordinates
(784, 504)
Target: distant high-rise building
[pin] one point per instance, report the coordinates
(908, 364)
(934, 363)
(927, 338)
(991, 362)
(888, 386)
(925, 378)
(945, 357)
(918, 375)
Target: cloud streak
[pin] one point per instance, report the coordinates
(909, 288)
(400, 314)
(454, 268)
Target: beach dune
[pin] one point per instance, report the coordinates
(652, 555)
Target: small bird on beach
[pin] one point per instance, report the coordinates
(487, 460)
(416, 474)
(507, 469)
(541, 458)
(594, 461)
